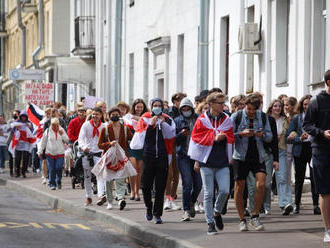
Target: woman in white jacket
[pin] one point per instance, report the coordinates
(53, 141)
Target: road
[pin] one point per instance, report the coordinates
(25, 222)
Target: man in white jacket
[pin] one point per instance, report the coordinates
(87, 143)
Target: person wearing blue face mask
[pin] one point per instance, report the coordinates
(155, 134)
(191, 180)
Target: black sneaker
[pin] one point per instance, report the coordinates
(122, 204)
(211, 230)
(296, 209)
(218, 222)
(287, 210)
(192, 211)
(149, 215)
(317, 210)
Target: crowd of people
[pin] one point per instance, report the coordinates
(218, 150)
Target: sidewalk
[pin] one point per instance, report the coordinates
(304, 230)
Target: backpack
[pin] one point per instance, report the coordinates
(239, 118)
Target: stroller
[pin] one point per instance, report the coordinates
(77, 171)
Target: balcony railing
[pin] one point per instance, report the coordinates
(84, 35)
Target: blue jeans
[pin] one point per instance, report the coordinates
(268, 185)
(282, 180)
(3, 150)
(191, 181)
(251, 187)
(55, 167)
(222, 177)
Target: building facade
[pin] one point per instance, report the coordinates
(162, 49)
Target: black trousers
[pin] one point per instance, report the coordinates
(11, 163)
(300, 164)
(19, 156)
(154, 170)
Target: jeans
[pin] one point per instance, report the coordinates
(172, 178)
(120, 189)
(251, 189)
(222, 177)
(55, 166)
(3, 150)
(268, 185)
(191, 181)
(282, 180)
(154, 171)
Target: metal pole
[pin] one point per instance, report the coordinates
(118, 48)
(203, 45)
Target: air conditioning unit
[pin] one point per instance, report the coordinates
(249, 38)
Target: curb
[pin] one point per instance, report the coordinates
(142, 235)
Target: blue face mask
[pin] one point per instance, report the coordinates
(187, 114)
(157, 110)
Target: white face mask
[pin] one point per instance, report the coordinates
(187, 114)
(157, 110)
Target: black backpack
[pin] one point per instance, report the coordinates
(240, 114)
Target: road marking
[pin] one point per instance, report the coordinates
(13, 225)
(66, 226)
(36, 225)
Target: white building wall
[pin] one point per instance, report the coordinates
(274, 72)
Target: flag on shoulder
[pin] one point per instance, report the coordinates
(203, 134)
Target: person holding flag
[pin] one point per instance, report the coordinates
(22, 143)
(210, 146)
(155, 134)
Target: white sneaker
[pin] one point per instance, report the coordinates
(197, 209)
(201, 208)
(326, 237)
(243, 227)
(109, 206)
(174, 206)
(267, 212)
(38, 171)
(167, 204)
(44, 181)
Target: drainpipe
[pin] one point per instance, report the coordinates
(22, 27)
(41, 35)
(2, 44)
(203, 45)
(118, 48)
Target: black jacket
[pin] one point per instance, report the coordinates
(317, 120)
(272, 147)
(174, 112)
(181, 140)
(154, 145)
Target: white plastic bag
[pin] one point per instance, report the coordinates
(114, 164)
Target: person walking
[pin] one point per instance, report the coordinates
(53, 142)
(317, 124)
(211, 147)
(283, 184)
(249, 155)
(302, 153)
(155, 134)
(136, 156)
(88, 146)
(3, 143)
(114, 133)
(191, 180)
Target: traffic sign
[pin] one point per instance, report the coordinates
(30, 74)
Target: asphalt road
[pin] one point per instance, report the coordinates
(25, 222)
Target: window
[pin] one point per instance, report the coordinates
(180, 62)
(131, 78)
